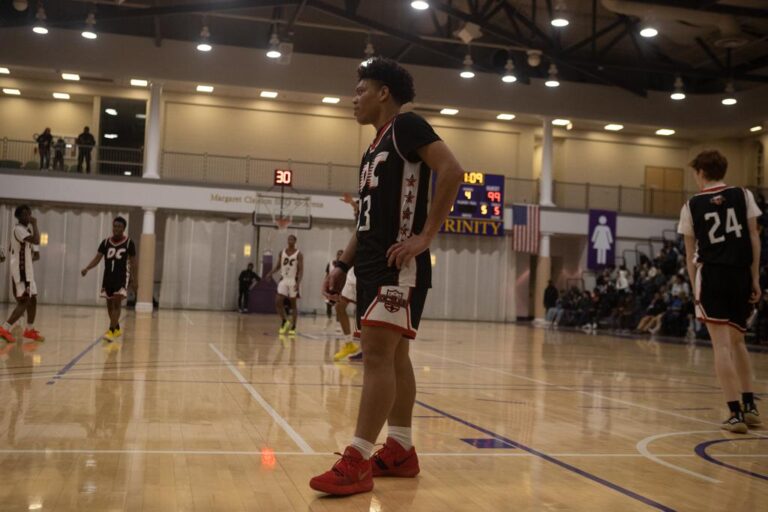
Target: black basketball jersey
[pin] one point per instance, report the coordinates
(394, 189)
(116, 258)
(720, 225)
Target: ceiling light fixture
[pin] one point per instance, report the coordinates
(137, 82)
(61, 95)
(648, 28)
(467, 71)
(5, 71)
(110, 136)
(614, 127)
(665, 132)
(730, 95)
(505, 117)
(553, 80)
(74, 77)
(678, 93)
(205, 40)
(274, 46)
(369, 52)
(90, 27)
(268, 94)
(331, 99)
(559, 18)
(449, 111)
(110, 111)
(40, 27)
(204, 88)
(12, 92)
(561, 122)
(756, 128)
(509, 72)
(420, 5)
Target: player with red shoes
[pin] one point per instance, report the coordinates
(390, 253)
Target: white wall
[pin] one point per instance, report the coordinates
(20, 118)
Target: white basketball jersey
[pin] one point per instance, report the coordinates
(21, 254)
(289, 265)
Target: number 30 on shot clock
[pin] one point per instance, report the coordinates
(283, 177)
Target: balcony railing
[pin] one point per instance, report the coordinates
(333, 178)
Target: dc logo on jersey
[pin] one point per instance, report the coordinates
(368, 176)
(393, 300)
(115, 253)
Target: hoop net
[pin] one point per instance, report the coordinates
(282, 223)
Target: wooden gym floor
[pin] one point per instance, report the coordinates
(205, 411)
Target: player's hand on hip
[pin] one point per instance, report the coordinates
(755, 296)
(333, 283)
(401, 253)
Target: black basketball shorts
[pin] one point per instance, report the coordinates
(722, 295)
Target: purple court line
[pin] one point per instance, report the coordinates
(701, 451)
(553, 460)
(73, 362)
(501, 401)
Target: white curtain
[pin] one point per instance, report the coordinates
(471, 279)
(73, 236)
(202, 259)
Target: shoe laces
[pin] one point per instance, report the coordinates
(343, 463)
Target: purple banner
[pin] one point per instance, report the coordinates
(601, 239)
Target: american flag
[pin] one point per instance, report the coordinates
(525, 228)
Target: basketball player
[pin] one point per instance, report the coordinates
(722, 249)
(351, 348)
(291, 266)
(119, 253)
(329, 304)
(390, 252)
(25, 235)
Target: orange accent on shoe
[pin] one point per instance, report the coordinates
(350, 475)
(34, 335)
(394, 460)
(6, 334)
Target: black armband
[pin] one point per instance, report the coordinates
(341, 265)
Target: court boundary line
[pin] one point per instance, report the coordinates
(642, 447)
(571, 388)
(549, 458)
(58, 375)
(300, 442)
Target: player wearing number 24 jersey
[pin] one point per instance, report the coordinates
(722, 247)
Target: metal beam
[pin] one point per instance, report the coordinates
(530, 24)
(296, 15)
(487, 28)
(158, 33)
(704, 46)
(402, 52)
(613, 42)
(593, 38)
(393, 32)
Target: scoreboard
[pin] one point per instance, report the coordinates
(479, 206)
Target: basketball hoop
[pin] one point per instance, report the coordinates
(282, 223)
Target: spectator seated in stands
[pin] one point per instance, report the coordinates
(653, 314)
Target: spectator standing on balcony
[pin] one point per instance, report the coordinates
(550, 297)
(44, 141)
(59, 148)
(85, 143)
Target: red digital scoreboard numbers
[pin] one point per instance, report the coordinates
(479, 206)
(283, 177)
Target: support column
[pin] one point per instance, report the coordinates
(543, 275)
(153, 132)
(547, 150)
(146, 278)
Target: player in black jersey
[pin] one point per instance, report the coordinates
(722, 248)
(390, 253)
(119, 252)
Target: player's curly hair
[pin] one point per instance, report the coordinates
(713, 164)
(122, 221)
(397, 79)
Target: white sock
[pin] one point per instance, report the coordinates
(364, 447)
(30, 326)
(402, 435)
(7, 326)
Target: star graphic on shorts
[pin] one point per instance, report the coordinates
(407, 214)
(403, 231)
(409, 197)
(411, 181)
